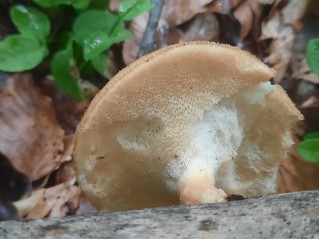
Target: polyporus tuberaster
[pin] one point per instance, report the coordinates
(190, 123)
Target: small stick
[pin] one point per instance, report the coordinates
(147, 44)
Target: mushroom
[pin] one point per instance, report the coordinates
(191, 123)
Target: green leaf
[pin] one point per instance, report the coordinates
(65, 41)
(20, 53)
(30, 21)
(120, 34)
(96, 44)
(129, 9)
(62, 67)
(99, 4)
(313, 135)
(46, 3)
(309, 150)
(77, 4)
(99, 63)
(312, 55)
(92, 22)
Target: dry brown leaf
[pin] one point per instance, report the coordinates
(281, 29)
(30, 135)
(302, 71)
(203, 27)
(294, 12)
(66, 174)
(68, 141)
(281, 47)
(114, 5)
(179, 11)
(312, 102)
(222, 6)
(295, 174)
(266, 1)
(173, 13)
(57, 201)
(248, 14)
(313, 8)
(69, 111)
(245, 16)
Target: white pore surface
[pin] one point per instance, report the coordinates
(218, 136)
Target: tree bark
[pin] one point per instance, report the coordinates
(293, 215)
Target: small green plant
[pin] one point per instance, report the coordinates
(76, 46)
(309, 147)
(312, 55)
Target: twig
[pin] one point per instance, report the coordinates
(147, 43)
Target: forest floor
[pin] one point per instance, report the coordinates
(38, 121)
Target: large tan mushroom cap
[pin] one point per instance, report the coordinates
(189, 123)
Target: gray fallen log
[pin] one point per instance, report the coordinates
(293, 215)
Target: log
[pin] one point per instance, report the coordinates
(293, 215)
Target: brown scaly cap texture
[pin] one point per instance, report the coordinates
(203, 57)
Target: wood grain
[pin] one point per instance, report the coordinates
(292, 215)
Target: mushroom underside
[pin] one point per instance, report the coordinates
(236, 148)
(232, 147)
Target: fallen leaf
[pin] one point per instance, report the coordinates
(303, 91)
(203, 26)
(173, 13)
(248, 14)
(313, 101)
(296, 174)
(56, 201)
(30, 135)
(303, 72)
(66, 174)
(68, 111)
(114, 5)
(68, 141)
(293, 13)
(281, 47)
(266, 1)
(222, 6)
(179, 11)
(282, 30)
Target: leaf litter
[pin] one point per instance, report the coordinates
(40, 121)
(30, 135)
(33, 141)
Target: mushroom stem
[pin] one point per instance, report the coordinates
(198, 186)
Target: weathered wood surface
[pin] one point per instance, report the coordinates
(294, 215)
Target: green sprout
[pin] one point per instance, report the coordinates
(312, 55)
(309, 147)
(77, 47)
